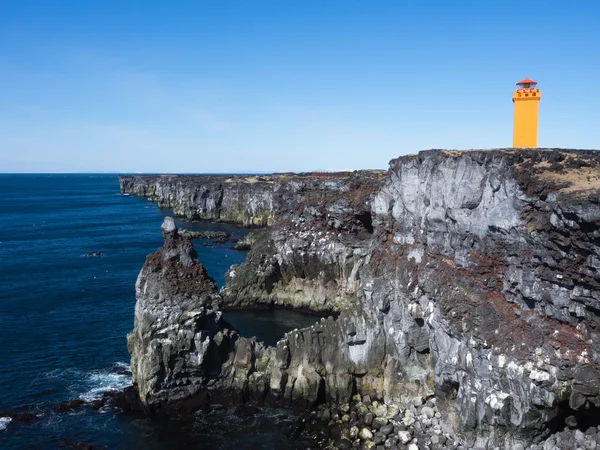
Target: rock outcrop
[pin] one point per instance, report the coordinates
(472, 276)
(180, 340)
(182, 350)
(310, 258)
(219, 236)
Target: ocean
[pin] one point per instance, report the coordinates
(64, 317)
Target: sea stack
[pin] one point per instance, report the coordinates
(179, 337)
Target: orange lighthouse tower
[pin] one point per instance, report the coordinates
(526, 99)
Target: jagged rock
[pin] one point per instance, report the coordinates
(246, 200)
(428, 412)
(219, 236)
(311, 257)
(180, 340)
(246, 242)
(378, 438)
(474, 276)
(448, 303)
(387, 429)
(405, 437)
(323, 222)
(365, 434)
(68, 405)
(19, 417)
(409, 418)
(92, 254)
(379, 422)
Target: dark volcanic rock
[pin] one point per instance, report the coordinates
(246, 200)
(481, 292)
(68, 406)
(327, 214)
(128, 400)
(471, 276)
(220, 236)
(179, 336)
(246, 242)
(19, 417)
(311, 256)
(182, 350)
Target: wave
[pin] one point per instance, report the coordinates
(90, 385)
(4, 421)
(96, 383)
(120, 365)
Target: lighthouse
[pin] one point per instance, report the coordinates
(526, 99)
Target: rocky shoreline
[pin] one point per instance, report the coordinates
(469, 280)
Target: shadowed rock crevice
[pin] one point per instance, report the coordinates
(574, 419)
(366, 220)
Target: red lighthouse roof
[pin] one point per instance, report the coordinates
(526, 81)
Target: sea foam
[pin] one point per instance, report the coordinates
(4, 421)
(99, 382)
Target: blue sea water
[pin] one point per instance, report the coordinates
(64, 317)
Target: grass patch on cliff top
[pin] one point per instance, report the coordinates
(575, 174)
(583, 179)
(251, 179)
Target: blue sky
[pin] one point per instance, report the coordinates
(260, 86)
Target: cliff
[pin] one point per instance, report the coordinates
(483, 263)
(246, 200)
(474, 278)
(321, 225)
(310, 258)
(181, 347)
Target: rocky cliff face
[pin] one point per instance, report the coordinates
(246, 200)
(478, 286)
(482, 258)
(321, 225)
(310, 258)
(182, 350)
(475, 278)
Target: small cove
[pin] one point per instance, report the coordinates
(65, 317)
(268, 325)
